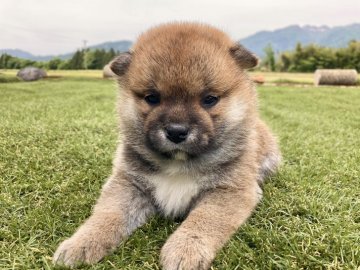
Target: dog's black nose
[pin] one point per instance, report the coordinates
(177, 133)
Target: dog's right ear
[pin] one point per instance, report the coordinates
(121, 63)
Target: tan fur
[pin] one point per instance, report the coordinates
(212, 178)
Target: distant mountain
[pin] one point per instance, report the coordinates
(285, 39)
(121, 46)
(17, 53)
(29, 56)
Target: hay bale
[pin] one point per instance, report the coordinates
(259, 79)
(31, 74)
(107, 72)
(335, 77)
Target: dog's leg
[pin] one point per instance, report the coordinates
(120, 209)
(210, 224)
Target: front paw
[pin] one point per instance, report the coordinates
(186, 253)
(79, 250)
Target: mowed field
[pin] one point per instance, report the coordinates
(58, 137)
(271, 77)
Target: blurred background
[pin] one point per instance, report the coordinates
(298, 36)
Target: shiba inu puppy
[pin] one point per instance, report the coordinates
(193, 146)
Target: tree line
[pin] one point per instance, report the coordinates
(82, 59)
(302, 59)
(311, 57)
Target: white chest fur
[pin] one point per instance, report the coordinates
(173, 193)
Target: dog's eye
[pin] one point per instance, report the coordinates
(152, 99)
(209, 101)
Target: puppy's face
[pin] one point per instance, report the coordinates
(178, 121)
(184, 89)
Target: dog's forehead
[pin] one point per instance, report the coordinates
(183, 76)
(167, 72)
(186, 59)
(179, 35)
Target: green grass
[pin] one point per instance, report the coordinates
(7, 78)
(285, 77)
(270, 77)
(62, 73)
(58, 137)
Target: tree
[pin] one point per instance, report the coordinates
(54, 63)
(64, 65)
(269, 60)
(77, 60)
(311, 57)
(110, 55)
(88, 59)
(4, 58)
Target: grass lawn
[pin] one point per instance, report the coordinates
(61, 73)
(58, 137)
(270, 77)
(286, 77)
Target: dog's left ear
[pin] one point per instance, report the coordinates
(121, 63)
(244, 58)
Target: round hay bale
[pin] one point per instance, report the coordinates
(259, 79)
(335, 77)
(31, 74)
(107, 72)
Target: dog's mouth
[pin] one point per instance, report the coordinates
(179, 152)
(178, 155)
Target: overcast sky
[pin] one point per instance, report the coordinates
(60, 26)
